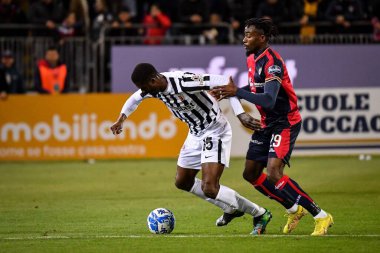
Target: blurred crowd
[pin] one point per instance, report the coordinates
(212, 18)
(154, 20)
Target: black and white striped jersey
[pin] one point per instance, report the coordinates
(187, 98)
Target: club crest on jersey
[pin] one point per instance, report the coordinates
(274, 69)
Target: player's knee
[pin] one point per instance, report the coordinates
(210, 190)
(250, 176)
(178, 184)
(183, 184)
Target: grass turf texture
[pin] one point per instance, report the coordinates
(102, 207)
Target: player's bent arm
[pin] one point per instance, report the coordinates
(132, 103)
(246, 120)
(130, 106)
(267, 99)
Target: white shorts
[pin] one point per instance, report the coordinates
(214, 146)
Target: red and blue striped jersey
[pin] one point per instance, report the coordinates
(265, 67)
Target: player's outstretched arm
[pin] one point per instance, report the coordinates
(266, 100)
(128, 108)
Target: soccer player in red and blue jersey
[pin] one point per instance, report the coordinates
(271, 90)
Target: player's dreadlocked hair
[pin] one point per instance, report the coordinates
(264, 24)
(142, 73)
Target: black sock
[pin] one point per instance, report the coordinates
(263, 185)
(295, 193)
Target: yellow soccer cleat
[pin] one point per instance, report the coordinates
(293, 219)
(322, 224)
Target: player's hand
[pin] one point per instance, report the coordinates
(226, 91)
(249, 122)
(215, 94)
(117, 128)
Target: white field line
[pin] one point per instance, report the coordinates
(57, 237)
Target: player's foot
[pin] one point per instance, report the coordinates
(322, 224)
(261, 222)
(228, 217)
(293, 219)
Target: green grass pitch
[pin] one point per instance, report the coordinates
(102, 207)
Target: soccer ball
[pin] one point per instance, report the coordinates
(161, 221)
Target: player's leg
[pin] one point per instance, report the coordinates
(256, 160)
(282, 144)
(295, 212)
(186, 180)
(216, 156)
(211, 173)
(188, 165)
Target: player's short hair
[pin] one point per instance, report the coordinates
(142, 73)
(264, 24)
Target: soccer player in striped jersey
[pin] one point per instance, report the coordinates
(207, 146)
(270, 89)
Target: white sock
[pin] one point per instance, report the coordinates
(293, 209)
(321, 214)
(233, 199)
(197, 190)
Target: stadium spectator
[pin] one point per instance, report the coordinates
(309, 15)
(208, 143)
(82, 13)
(157, 23)
(116, 5)
(216, 33)
(51, 75)
(170, 8)
(102, 18)
(194, 13)
(123, 25)
(69, 27)
(10, 13)
(220, 18)
(271, 90)
(11, 81)
(222, 8)
(241, 10)
(343, 12)
(48, 13)
(274, 9)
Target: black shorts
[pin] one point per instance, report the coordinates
(274, 142)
